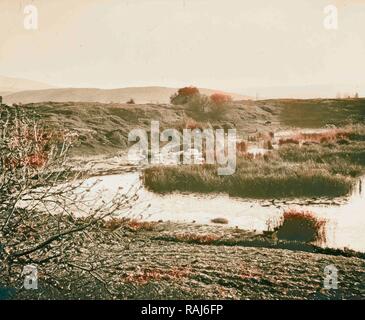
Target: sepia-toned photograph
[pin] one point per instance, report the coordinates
(182, 150)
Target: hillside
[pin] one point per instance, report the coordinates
(104, 128)
(9, 85)
(317, 113)
(122, 95)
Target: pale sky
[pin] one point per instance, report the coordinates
(221, 44)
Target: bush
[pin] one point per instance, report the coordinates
(46, 209)
(220, 98)
(219, 105)
(184, 95)
(300, 226)
(198, 105)
(131, 101)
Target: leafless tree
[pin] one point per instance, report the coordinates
(47, 213)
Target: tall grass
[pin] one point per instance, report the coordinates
(255, 179)
(325, 167)
(340, 159)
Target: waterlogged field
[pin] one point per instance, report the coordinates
(316, 169)
(325, 164)
(344, 216)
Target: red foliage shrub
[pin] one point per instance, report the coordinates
(220, 98)
(184, 95)
(36, 160)
(300, 226)
(188, 91)
(331, 135)
(36, 141)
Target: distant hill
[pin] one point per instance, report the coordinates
(104, 128)
(122, 95)
(10, 85)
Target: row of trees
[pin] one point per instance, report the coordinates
(186, 94)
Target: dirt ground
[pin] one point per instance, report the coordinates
(175, 261)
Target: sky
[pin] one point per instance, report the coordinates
(235, 45)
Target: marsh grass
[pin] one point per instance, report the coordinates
(340, 158)
(324, 167)
(257, 179)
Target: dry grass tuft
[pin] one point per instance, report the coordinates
(331, 135)
(302, 226)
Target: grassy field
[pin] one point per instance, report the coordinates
(317, 113)
(342, 158)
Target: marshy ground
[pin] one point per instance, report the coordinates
(316, 165)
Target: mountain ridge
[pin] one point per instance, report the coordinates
(10, 85)
(150, 94)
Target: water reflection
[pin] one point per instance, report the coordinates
(346, 217)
